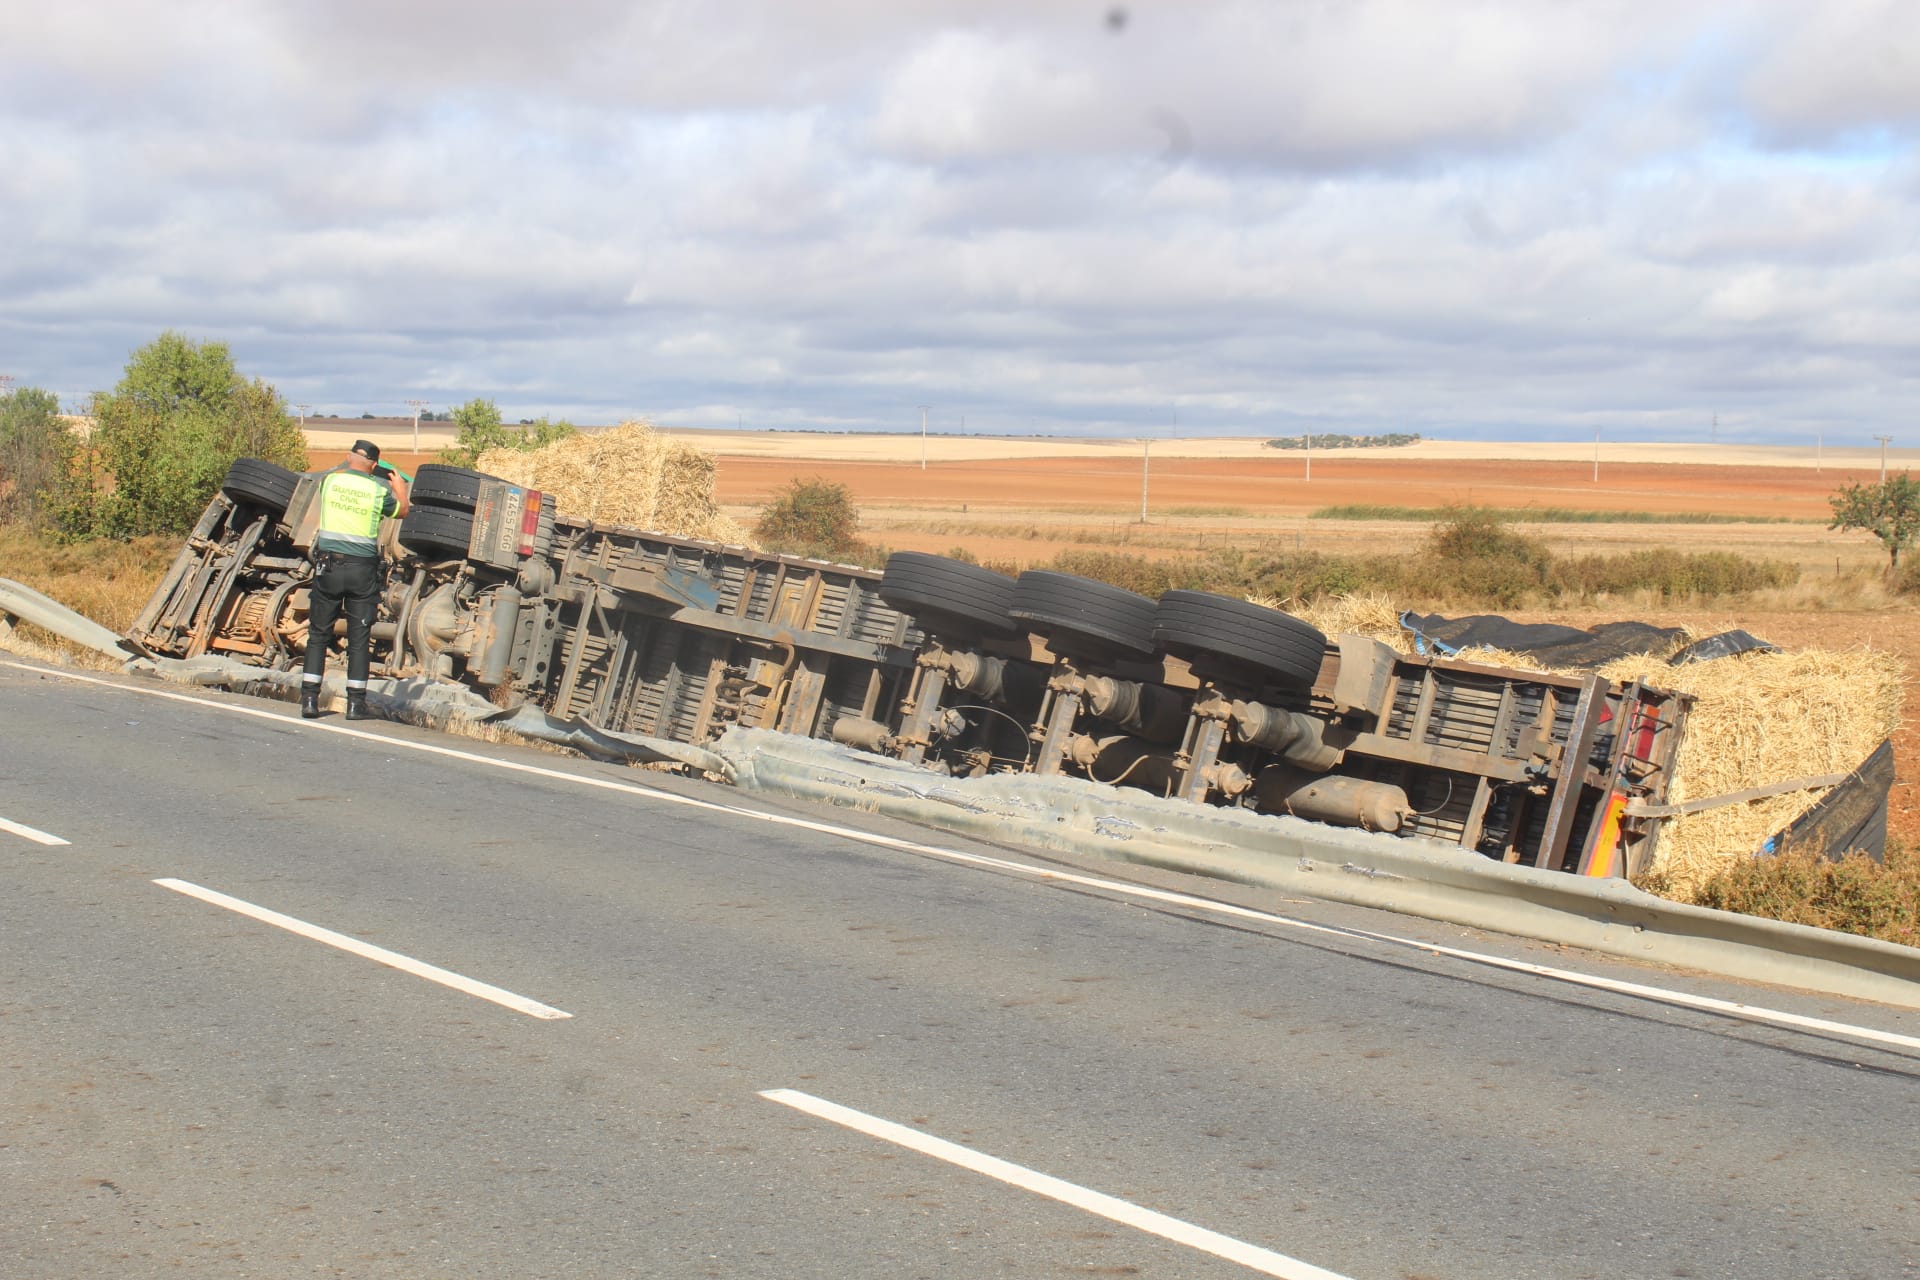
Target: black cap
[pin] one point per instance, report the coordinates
(367, 449)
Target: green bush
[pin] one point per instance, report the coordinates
(814, 517)
(167, 433)
(1473, 553)
(37, 452)
(481, 429)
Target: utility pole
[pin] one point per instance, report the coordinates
(1883, 457)
(1306, 441)
(418, 405)
(1146, 444)
(923, 437)
(1596, 455)
(1716, 428)
(303, 414)
(6, 383)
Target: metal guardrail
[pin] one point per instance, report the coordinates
(1425, 878)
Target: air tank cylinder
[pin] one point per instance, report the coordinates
(1332, 798)
(497, 652)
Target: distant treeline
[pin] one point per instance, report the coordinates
(1343, 442)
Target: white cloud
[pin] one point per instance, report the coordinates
(1498, 214)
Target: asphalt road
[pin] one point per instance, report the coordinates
(187, 1089)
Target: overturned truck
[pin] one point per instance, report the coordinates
(945, 665)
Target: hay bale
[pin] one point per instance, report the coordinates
(1370, 614)
(1758, 718)
(629, 474)
(1762, 718)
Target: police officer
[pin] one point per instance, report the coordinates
(354, 497)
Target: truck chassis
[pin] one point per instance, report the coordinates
(945, 665)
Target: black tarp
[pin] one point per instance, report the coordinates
(1724, 645)
(1851, 816)
(1546, 642)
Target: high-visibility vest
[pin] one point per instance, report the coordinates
(351, 505)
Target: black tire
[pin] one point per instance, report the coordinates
(453, 488)
(261, 483)
(1082, 617)
(1238, 638)
(437, 532)
(948, 597)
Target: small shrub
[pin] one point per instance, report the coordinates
(1907, 581)
(1479, 533)
(1670, 574)
(1853, 895)
(813, 517)
(1138, 574)
(1476, 555)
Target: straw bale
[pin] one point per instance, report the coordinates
(1370, 614)
(629, 474)
(1758, 718)
(1762, 718)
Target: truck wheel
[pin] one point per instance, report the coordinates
(948, 597)
(437, 532)
(261, 483)
(1082, 616)
(1249, 639)
(455, 488)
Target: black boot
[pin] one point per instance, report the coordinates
(310, 702)
(357, 707)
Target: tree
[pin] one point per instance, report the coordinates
(36, 454)
(481, 429)
(169, 430)
(1890, 511)
(811, 518)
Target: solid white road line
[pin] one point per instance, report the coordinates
(393, 959)
(1662, 995)
(1265, 1261)
(31, 833)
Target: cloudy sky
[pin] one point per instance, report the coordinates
(1467, 218)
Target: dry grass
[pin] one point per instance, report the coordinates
(1854, 894)
(106, 581)
(629, 474)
